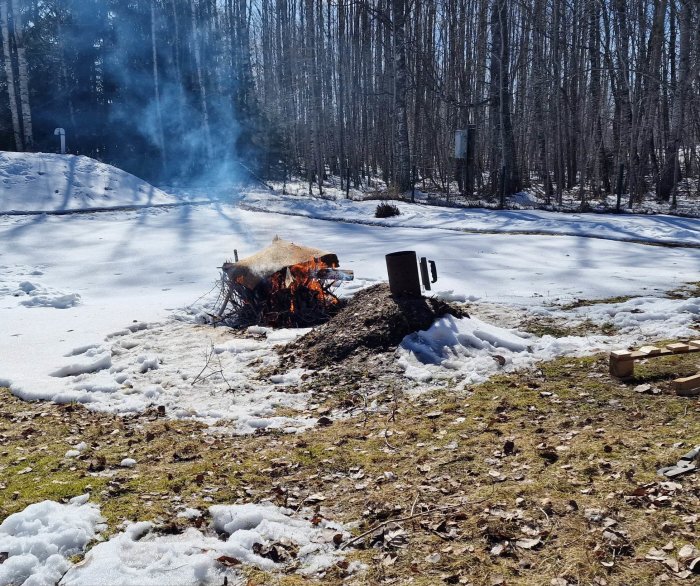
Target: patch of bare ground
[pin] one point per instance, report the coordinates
(538, 477)
(548, 326)
(687, 291)
(372, 321)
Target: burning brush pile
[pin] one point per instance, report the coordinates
(283, 285)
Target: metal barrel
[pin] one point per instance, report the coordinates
(403, 273)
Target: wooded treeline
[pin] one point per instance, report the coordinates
(560, 92)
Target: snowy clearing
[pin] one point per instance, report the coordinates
(104, 306)
(129, 273)
(131, 269)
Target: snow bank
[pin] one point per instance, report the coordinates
(39, 540)
(472, 350)
(627, 227)
(42, 182)
(264, 536)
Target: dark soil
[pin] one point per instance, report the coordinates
(372, 321)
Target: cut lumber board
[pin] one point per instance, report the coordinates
(688, 386)
(649, 350)
(622, 361)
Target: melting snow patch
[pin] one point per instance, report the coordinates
(76, 450)
(31, 294)
(56, 301)
(646, 317)
(474, 350)
(100, 363)
(39, 539)
(193, 371)
(264, 536)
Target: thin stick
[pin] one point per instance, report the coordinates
(399, 520)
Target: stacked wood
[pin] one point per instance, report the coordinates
(284, 285)
(622, 364)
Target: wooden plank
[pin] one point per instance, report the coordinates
(678, 348)
(649, 350)
(688, 386)
(637, 354)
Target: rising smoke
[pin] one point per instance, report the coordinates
(186, 120)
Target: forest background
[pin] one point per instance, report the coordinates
(556, 94)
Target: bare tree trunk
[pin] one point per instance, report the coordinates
(500, 59)
(671, 170)
(10, 75)
(156, 83)
(643, 149)
(23, 76)
(402, 171)
(202, 87)
(315, 89)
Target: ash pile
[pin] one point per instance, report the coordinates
(283, 285)
(375, 320)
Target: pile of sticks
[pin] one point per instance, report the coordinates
(297, 296)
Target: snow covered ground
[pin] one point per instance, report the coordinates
(101, 308)
(627, 227)
(98, 274)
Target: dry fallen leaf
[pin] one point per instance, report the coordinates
(228, 561)
(688, 551)
(528, 543)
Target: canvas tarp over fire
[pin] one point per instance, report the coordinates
(279, 255)
(285, 285)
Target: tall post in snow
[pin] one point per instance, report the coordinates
(62, 133)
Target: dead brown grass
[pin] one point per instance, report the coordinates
(563, 454)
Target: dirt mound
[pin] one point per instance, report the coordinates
(372, 321)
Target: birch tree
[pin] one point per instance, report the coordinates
(23, 76)
(10, 75)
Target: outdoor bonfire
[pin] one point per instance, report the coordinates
(283, 285)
